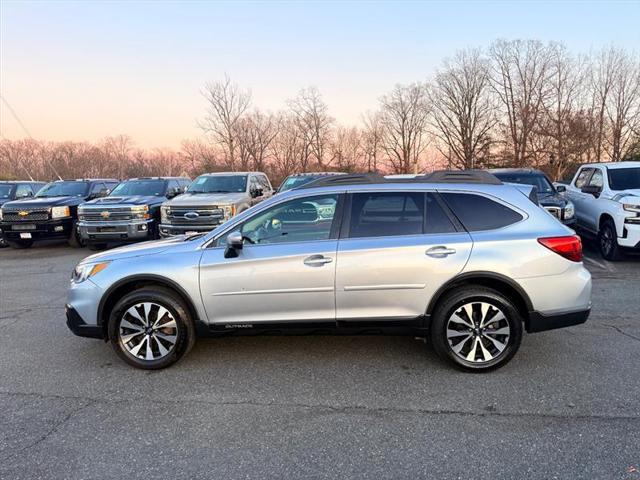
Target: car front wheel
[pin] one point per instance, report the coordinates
(151, 328)
(608, 241)
(476, 328)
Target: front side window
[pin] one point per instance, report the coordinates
(23, 191)
(624, 178)
(382, 214)
(596, 179)
(477, 212)
(64, 189)
(5, 190)
(301, 220)
(219, 184)
(140, 187)
(583, 176)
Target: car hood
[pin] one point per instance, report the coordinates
(551, 200)
(629, 196)
(189, 199)
(137, 250)
(126, 200)
(44, 202)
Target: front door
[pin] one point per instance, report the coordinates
(285, 270)
(399, 249)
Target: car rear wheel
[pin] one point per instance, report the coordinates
(476, 328)
(608, 241)
(151, 328)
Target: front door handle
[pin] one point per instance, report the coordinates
(317, 260)
(440, 251)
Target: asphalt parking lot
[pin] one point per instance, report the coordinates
(567, 406)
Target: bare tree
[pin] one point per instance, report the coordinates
(226, 104)
(288, 149)
(346, 149)
(372, 138)
(463, 110)
(255, 132)
(520, 73)
(404, 114)
(314, 122)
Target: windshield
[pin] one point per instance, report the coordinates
(219, 184)
(5, 191)
(64, 189)
(293, 182)
(156, 188)
(624, 178)
(543, 185)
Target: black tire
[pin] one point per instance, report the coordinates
(608, 241)
(74, 237)
(20, 244)
(475, 295)
(97, 246)
(184, 330)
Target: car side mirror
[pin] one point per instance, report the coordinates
(234, 245)
(102, 193)
(25, 195)
(592, 190)
(173, 192)
(561, 189)
(256, 192)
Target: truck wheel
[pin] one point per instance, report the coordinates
(151, 328)
(476, 328)
(74, 237)
(20, 244)
(608, 241)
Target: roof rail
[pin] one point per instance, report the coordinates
(462, 176)
(350, 179)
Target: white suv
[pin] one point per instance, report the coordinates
(607, 204)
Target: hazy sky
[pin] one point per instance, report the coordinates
(86, 70)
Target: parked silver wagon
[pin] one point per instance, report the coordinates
(457, 257)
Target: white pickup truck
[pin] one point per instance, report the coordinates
(607, 204)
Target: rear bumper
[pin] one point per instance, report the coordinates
(539, 322)
(39, 230)
(116, 231)
(78, 326)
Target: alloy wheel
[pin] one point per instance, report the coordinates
(606, 240)
(478, 332)
(148, 331)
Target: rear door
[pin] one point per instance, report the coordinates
(577, 197)
(396, 249)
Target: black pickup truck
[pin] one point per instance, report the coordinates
(131, 212)
(51, 213)
(15, 190)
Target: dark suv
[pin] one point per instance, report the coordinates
(130, 212)
(51, 213)
(14, 190)
(549, 196)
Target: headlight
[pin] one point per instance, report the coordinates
(87, 270)
(140, 211)
(631, 208)
(60, 212)
(164, 214)
(0, 214)
(229, 211)
(569, 211)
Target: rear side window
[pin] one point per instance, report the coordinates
(437, 219)
(477, 212)
(386, 214)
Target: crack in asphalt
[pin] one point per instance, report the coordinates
(333, 408)
(52, 431)
(619, 330)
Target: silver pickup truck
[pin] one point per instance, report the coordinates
(212, 199)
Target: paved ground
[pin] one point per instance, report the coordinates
(567, 406)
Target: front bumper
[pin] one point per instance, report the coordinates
(571, 222)
(78, 326)
(539, 322)
(59, 228)
(168, 230)
(631, 236)
(116, 231)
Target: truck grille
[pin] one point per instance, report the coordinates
(195, 215)
(25, 215)
(109, 214)
(555, 211)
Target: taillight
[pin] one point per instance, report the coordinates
(570, 247)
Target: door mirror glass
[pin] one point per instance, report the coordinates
(561, 189)
(256, 192)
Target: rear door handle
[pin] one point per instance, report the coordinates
(317, 260)
(440, 251)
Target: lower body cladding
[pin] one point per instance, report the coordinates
(102, 232)
(169, 230)
(30, 231)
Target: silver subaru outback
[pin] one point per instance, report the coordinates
(457, 257)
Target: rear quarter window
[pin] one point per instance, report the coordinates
(477, 212)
